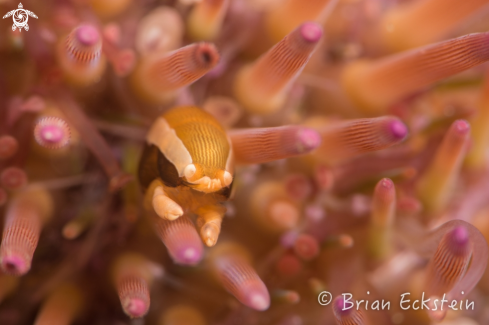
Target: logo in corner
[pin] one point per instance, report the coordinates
(20, 17)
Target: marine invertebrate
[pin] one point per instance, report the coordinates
(188, 163)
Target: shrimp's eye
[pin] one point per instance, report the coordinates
(187, 146)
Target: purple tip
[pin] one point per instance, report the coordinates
(339, 307)
(14, 265)
(308, 139)
(181, 239)
(457, 242)
(311, 32)
(460, 236)
(52, 134)
(136, 307)
(386, 183)
(461, 126)
(87, 35)
(398, 129)
(257, 296)
(188, 255)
